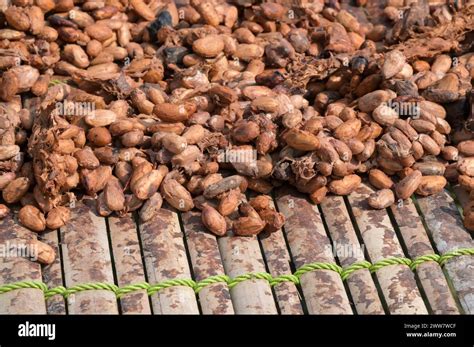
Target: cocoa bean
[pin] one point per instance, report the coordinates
(32, 218)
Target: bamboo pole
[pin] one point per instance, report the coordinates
(87, 259)
(323, 290)
(128, 263)
(278, 262)
(14, 268)
(53, 276)
(346, 246)
(449, 234)
(206, 261)
(241, 255)
(396, 281)
(165, 259)
(430, 273)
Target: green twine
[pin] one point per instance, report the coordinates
(60, 290)
(318, 266)
(23, 285)
(389, 261)
(250, 276)
(170, 283)
(232, 282)
(424, 258)
(285, 278)
(130, 288)
(364, 264)
(456, 253)
(211, 280)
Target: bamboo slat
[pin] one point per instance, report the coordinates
(165, 259)
(278, 261)
(87, 259)
(461, 194)
(241, 255)
(53, 276)
(14, 268)
(206, 261)
(128, 263)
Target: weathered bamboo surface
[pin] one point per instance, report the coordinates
(431, 275)
(242, 255)
(447, 230)
(348, 249)
(53, 276)
(15, 268)
(128, 263)
(206, 261)
(165, 259)
(87, 258)
(323, 290)
(396, 281)
(278, 260)
(125, 251)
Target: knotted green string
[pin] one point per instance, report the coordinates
(232, 282)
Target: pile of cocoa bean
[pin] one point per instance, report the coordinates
(197, 103)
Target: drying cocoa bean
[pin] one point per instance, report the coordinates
(381, 199)
(407, 186)
(201, 101)
(213, 220)
(58, 217)
(32, 218)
